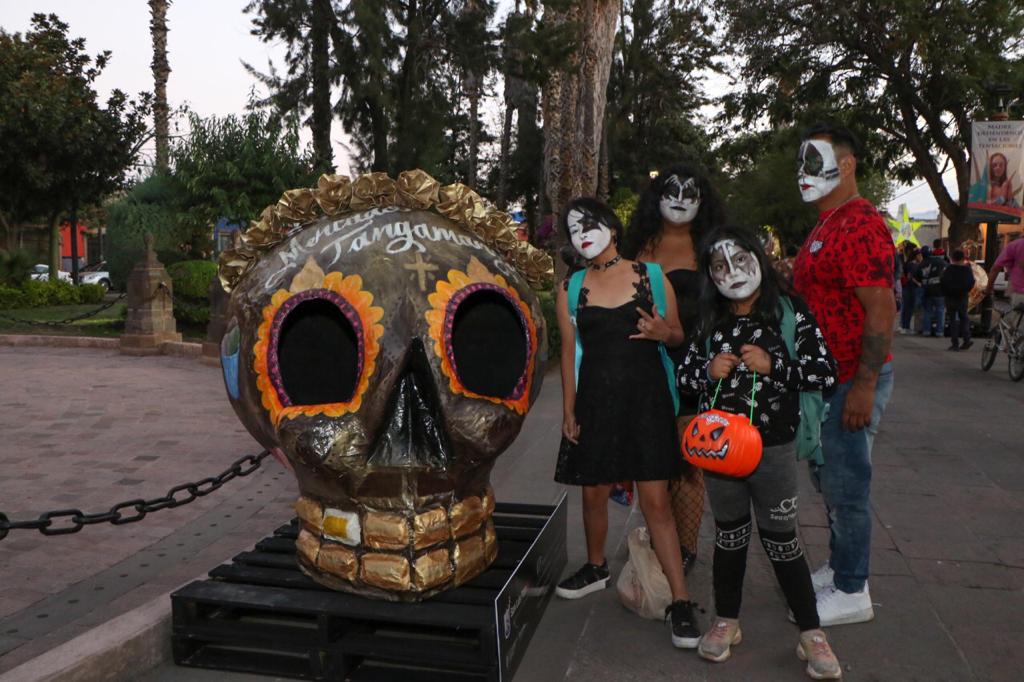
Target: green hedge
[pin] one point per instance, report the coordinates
(191, 280)
(37, 294)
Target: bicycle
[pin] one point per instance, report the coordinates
(1008, 338)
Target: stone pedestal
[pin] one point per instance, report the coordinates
(219, 300)
(150, 321)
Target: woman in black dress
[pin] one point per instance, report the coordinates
(678, 207)
(618, 411)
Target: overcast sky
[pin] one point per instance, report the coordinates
(207, 43)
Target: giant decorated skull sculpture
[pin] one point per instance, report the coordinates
(388, 356)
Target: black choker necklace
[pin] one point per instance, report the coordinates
(605, 266)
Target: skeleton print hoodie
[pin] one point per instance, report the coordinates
(777, 399)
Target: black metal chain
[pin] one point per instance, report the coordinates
(175, 497)
(66, 321)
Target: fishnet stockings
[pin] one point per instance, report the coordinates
(686, 495)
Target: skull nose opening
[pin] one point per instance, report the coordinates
(414, 435)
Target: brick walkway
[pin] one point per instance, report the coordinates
(948, 556)
(90, 428)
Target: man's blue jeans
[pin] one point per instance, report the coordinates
(934, 313)
(845, 483)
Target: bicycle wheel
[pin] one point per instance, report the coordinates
(1016, 364)
(991, 349)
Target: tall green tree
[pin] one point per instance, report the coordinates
(59, 146)
(656, 89)
(304, 26)
(916, 71)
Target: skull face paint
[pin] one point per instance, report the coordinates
(588, 235)
(391, 357)
(680, 200)
(734, 270)
(817, 170)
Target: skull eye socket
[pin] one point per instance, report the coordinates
(489, 344)
(717, 433)
(318, 354)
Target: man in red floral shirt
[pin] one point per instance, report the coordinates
(845, 273)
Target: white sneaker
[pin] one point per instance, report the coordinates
(836, 607)
(823, 577)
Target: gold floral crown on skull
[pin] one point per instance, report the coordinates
(338, 195)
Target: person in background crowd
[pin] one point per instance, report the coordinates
(676, 210)
(929, 277)
(957, 280)
(911, 288)
(1012, 261)
(844, 272)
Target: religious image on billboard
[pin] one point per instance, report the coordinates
(997, 172)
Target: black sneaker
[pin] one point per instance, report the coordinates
(685, 631)
(967, 344)
(589, 578)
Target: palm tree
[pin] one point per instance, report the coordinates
(161, 70)
(574, 100)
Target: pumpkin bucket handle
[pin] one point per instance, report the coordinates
(753, 395)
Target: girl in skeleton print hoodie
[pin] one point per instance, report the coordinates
(739, 341)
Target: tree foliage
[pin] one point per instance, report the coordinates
(234, 166)
(656, 88)
(913, 73)
(59, 146)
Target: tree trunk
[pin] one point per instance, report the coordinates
(574, 103)
(405, 149)
(323, 156)
(505, 160)
(603, 179)
(161, 70)
(473, 93)
(54, 246)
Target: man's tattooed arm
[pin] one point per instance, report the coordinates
(879, 317)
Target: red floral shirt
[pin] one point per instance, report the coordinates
(848, 248)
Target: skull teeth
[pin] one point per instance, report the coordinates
(342, 526)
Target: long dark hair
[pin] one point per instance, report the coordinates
(645, 225)
(592, 208)
(715, 309)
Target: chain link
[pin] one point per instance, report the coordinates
(66, 321)
(67, 521)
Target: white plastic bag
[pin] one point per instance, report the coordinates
(642, 587)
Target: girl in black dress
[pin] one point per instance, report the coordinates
(618, 411)
(678, 207)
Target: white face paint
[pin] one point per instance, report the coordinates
(680, 200)
(817, 170)
(734, 270)
(588, 236)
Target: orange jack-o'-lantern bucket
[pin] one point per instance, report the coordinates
(723, 442)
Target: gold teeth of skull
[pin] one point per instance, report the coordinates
(397, 552)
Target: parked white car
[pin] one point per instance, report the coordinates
(42, 272)
(95, 274)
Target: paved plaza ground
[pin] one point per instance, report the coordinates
(88, 428)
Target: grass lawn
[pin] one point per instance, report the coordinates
(109, 323)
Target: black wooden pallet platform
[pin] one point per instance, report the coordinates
(260, 614)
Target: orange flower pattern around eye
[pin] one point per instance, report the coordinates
(445, 301)
(356, 305)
